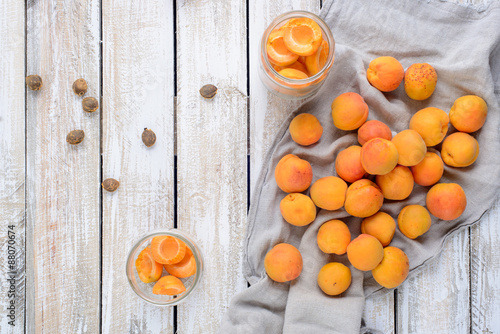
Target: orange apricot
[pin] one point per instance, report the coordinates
(397, 184)
(420, 81)
(184, 268)
(334, 278)
(363, 198)
(283, 263)
(293, 174)
(348, 164)
(365, 252)
(431, 124)
(459, 149)
(468, 113)
(446, 201)
(169, 285)
(411, 147)
(329, 192)
(379, 156)
(349, 111)
(393, 269)
(297, 65)
(414, 220)
(147, 268)
(167, 249)
(373, 129)
(298, 209)
(292, 73)
(277, 52)
(305, 129)
(302, 36)
(428, 171)
(316, 61)
(381, 225)
(385, 73)
(333, 237)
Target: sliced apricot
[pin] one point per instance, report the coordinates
(302, 36)
(147, 268)
(169, 285)
(277, 52)
(292, 73)
(167, 249)
(185, 268)
(316, 61)
(297, 65)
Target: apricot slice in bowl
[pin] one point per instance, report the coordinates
(317, 61)
(169, 285)
(302, 36)
(277, 52)
(167, 249)
(184, 268)
(147, 268)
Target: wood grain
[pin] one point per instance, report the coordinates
(138, 93)
(212, 152)
(62, 235)
(12, 167)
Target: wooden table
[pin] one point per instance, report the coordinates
(146, 61)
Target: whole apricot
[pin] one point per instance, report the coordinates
(446, 201)
(468, 113)
(379, 156)
(385, 73)
(373, 129)
(349, 111)
(420, 81)
(334, 278)
(348, 164)
(397, 184)
(305, 129)
(411, 147)
(293, 174)
(431, 124)
(365, 252)
(428, 171)
(333, 237)
(414, 220)
(298, 209)
(329, 192)
(381, 225)
(363, 198)
(459, 149)
(393, 269)
(283, 263)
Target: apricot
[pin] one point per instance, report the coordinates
(385, 73)
(420, 81)
(277, 52)
(305, 129)
(397, 184)
(185, 268)
(373, 129)
(298, 209)
(381, 225)
(292, 73)
(393, 269)
(365, 252)
(333, 237)
(147, 268)
(379, 156)
(431, 124)
(459, 149)
(363, 198)
(411, 147)
(446, 201)
(468, 113)
(348, 164)
(428, 171)
(329, 192)
(349, 111)
(167, 249)
(297, 65)
(316, 61)
(293, 174)
(334, 278)
(414, 220)
(283, 263)
(169, 285)
(302, 36)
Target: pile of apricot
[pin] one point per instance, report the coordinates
(382, 167)
(169, 253)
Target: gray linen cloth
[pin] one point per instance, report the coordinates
(463, 45)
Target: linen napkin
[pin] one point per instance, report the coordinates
(463, 45)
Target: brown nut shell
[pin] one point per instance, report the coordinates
(148, 137)
(80, 87)
(208, 91)
(34, 82)
(90, 104)
(110, 185)
(75, 137)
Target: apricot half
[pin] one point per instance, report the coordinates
(420, 81)
(298, 209)
(283, 263)
(277, 52)
(385, 73)
(293, 174)
(349, 111)
(169, 285)
(184, 268)
(393, 269)
(316, 61)
(334, 278)
(468, 113)
(446, 201)
(365, 252)
(302, 36)
(147, 268)
(167, 249)
(333, 237)
(292, 73)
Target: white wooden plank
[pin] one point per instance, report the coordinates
(379, 312)
(63, 180)
(12, 167)
(212, 151)
(138, 93)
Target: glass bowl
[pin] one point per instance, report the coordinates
(145, 290)
(284, 87)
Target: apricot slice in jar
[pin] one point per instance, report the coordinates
(302, 36)
(277, 52)
(167, 249)
(292, 73)
(147, 268)
(297, 65)
(169, 285)
(316, 61)
(185, 268)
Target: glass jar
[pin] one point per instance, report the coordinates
(294, 88)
